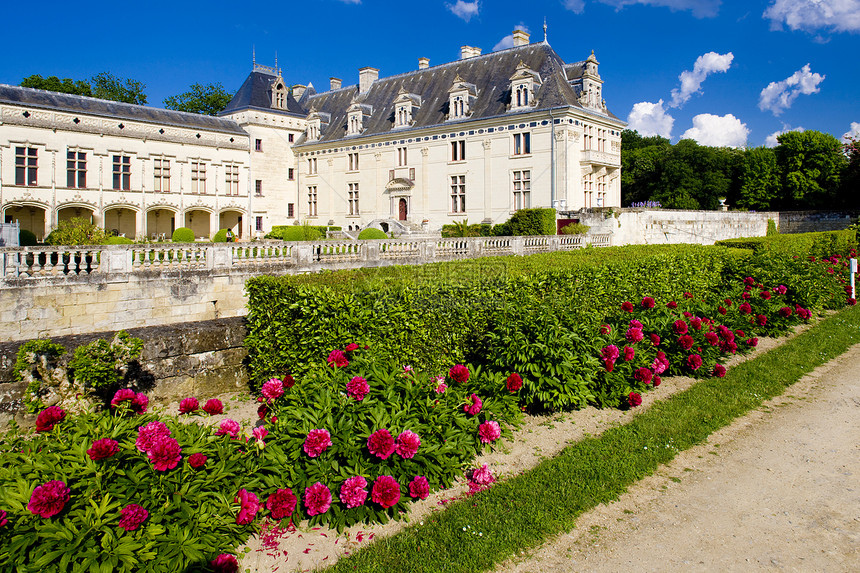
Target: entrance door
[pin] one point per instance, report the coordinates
(402, 209)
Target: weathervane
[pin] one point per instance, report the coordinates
(544, 29)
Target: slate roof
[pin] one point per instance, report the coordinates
(41, 99)
(490, 73)
(256, 93)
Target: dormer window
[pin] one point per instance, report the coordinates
(279, 94)
(524, 83)
(461, 99)
(356, 118)
(316, 123)
(522, 95)
(405, 106)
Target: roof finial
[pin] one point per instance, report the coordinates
(544, 29)
(253, 56)
(276, 62)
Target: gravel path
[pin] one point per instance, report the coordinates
(778, 490)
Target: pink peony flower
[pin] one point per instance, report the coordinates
(4, 521)
(48, 417)
(259, 433)
(197, 461)
(228, 427)
(473, 406)
(164, 453)
(385, 492)
(629, 354)
(149, 434)
(353, 492)
(214, 407)
(441, 387)
(660, 364)
(381, 444)
(634, 335)
(648, 302)
(357, 388)
(317, 499)
(49, 499)
(337, 359)
(103, 448)
(482, 476)
(407, 443)
(249, 505)
(719, 371)
(224, 563)
(459, 374)
(514, 382)
(634, 399)
(610, 353)
(131, 516)
(188, 405)
(627, 306)
(636, 324)
(122, 395)
(679, 327)
(489, 431)
(694, 361)
(139, 403)
(419, 487)
(351, 347)
(316, 442)
(282, 504)
(272, 389)
(803, 313)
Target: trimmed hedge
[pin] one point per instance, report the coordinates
(183, 235)
(27, 238)
(531, 222)
(823, 244)
(372, 233)
(300, 232)
(220, 236)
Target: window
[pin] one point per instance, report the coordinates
(401, 156)
(259, 225)
(291, 209)
(258, 187)
(458, 107)
(312, 166)
(76, 169)
(312, 201)
(232, 178)
(161, 175)
(291, 174)
(458, 150)
(291, 138)
(258, 145)
(26, 165)
(601, 191)
(353, 199)
(601, 140)
(198, 177)
(522, 95)
(353, 161)
(458, 193)
(588, 188)
(522, 189)
(587, 137)
(522, 143)
(121, 172)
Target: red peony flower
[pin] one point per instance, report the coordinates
(686, 342)
(316, 442)
(49, 499)
(473, 406)
(627, 306)
(165, 454)
(694, 361)
(643, 375)
(213, 407)
(719, 371)
(282, 504)
(634, 399)
(197, 461)
(139, 403)
(147, 435)
(609, 365)
(514, 382)
(672, 304)
(386, 491)
(696, 323)
(228, 427)
(712, 338)
(381, 444)
(337, 359)
(419, 487)
(679, 327)
(224, 563)
(752, 342)
(351, 347)
(122, 395)
(655, 339)
(131, 516)
(353, 492)
(262, 411)
(851, 301)
(648, 302)
(745, 295)
(357, 388)
(605, 329)
(761, 319)
(722, 310)
(459, 374)
(317, 499)
(610, 352)
(489, 431)
(103, 448)
(188, 405)
(656, 381)
(728, 301)
(688, 295)
(765, 294)
(749, 281)
(288, 381)
(785, 312)
(4, 521)
(249, 505)
(634, 335)
(272, 389)
(745, 308)
(629, 354)
(407, 443)
(48, 417)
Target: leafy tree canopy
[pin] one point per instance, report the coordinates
(104, 86)
(55, 84)
(206, 99)
(811, 164)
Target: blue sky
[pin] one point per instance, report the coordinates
(721, 72)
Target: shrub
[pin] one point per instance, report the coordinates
(575, 229)
(27, 238)
(102, 364)
(819, 245)
(76, 231)
(220, 236)
(371, 233)
(463, 229)
(296, 233)
(118, 241)
(771, 228)
(183, 235)
(532, 222)
(36, 365)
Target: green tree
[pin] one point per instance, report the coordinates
(760, 179)
(811, 164)
(55, 84)
(208, 100)
(108, 86)
(850, 188)
(76, 231)
(641, 165)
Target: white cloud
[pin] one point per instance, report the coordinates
(508, 41)
(699, 8)
(853, 132)
(771, 141)
(691, 81)
(718, 130)
(351, 1)
(650, 119)
(812, 15)
(575, 6)
(778, 96)
(464, 10)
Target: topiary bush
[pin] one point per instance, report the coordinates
(27, 238)
(183, 235)
(531, 222)
(220, 236)
(371, 233)
(76, 231)
(296, 233)
(575, 229)
(119, 241)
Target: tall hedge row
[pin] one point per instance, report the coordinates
(817, 245)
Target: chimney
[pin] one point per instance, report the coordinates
(366, 77)
(335, 83)
(423, 63)
(469, 52)
(299, 91)
(521, 38)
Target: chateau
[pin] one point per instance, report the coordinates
(473, 139)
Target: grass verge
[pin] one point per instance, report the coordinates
(528, 509)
